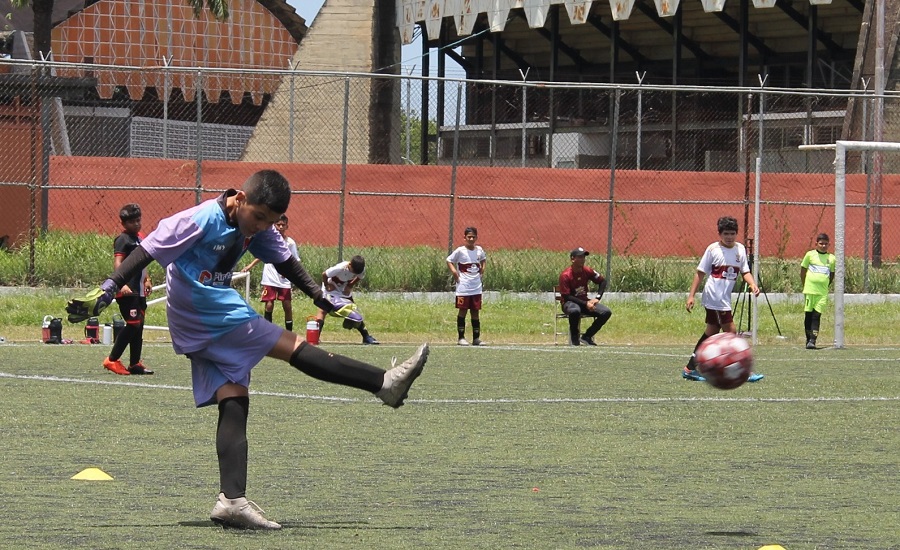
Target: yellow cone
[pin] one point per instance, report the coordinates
(772, 547)
(92, 474)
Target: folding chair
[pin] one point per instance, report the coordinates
(558, 314)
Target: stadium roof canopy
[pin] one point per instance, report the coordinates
(798, 43)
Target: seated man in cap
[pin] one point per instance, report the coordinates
(573, 290)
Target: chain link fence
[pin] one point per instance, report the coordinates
(382, 164)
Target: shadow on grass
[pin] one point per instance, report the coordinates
(336, 525)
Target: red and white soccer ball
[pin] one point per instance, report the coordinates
(725, 360)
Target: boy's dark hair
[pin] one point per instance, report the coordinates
(727, 223)
(130, 212)
(471, 229)
(357, 264)
(823, 237)
(268, 188)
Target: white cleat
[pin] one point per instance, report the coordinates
(240, 513)
(463, 342)
(398, 380)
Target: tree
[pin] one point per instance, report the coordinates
(43, 18)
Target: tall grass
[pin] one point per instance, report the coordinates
(77, 260)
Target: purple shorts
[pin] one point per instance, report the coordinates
(231, 358)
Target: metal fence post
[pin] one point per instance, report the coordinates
(453, 167)
(198, 193)
(613, 149)
(344, 140)
(291, 115)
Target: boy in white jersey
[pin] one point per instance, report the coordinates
(338, 282)
(816, 276)
(274, 286)
(723, 262)
(466, 264)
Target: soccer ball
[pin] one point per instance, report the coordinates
(725, 360)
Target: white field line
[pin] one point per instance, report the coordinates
(500, 400)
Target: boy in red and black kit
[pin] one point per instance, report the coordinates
(132, 298)
(573, 290)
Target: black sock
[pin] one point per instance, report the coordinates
(137, 344)
(476, 329)
(692, 361)
(461, 327)
(231, 445)
(289, 325)
(814, 324)
(121, 342)
(362, 330)
(267, 315)
(337, 369)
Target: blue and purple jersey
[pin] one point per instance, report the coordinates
(199, 249)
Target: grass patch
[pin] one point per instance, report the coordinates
(76, 260)
(512, 447)
(506, 319)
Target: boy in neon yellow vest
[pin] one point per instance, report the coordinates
(816, 276)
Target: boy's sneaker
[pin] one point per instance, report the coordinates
(588, 341)
(463, 342)
(239, 513)
(689, 374)
(810, 344)
(398, 380)
(370, 341)
(755, 377)
(477, 342)
(139, 368)
(115, 366)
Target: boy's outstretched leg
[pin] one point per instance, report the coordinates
(390, 386)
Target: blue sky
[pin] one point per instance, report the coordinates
(410, 54)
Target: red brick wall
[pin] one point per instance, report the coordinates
(639, 229)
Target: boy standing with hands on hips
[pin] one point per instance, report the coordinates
(466, 264)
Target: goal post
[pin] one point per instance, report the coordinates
(840, 206)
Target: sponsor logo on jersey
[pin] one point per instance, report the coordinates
(728, 272)
(217, 278)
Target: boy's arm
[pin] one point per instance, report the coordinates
(695, 284)
(251, 265)
(453, 270)
(803, 271)
(293, 270)
(602, 290)
(98, 299)
(748, 278)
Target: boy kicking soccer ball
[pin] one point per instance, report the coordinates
(223, 337)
